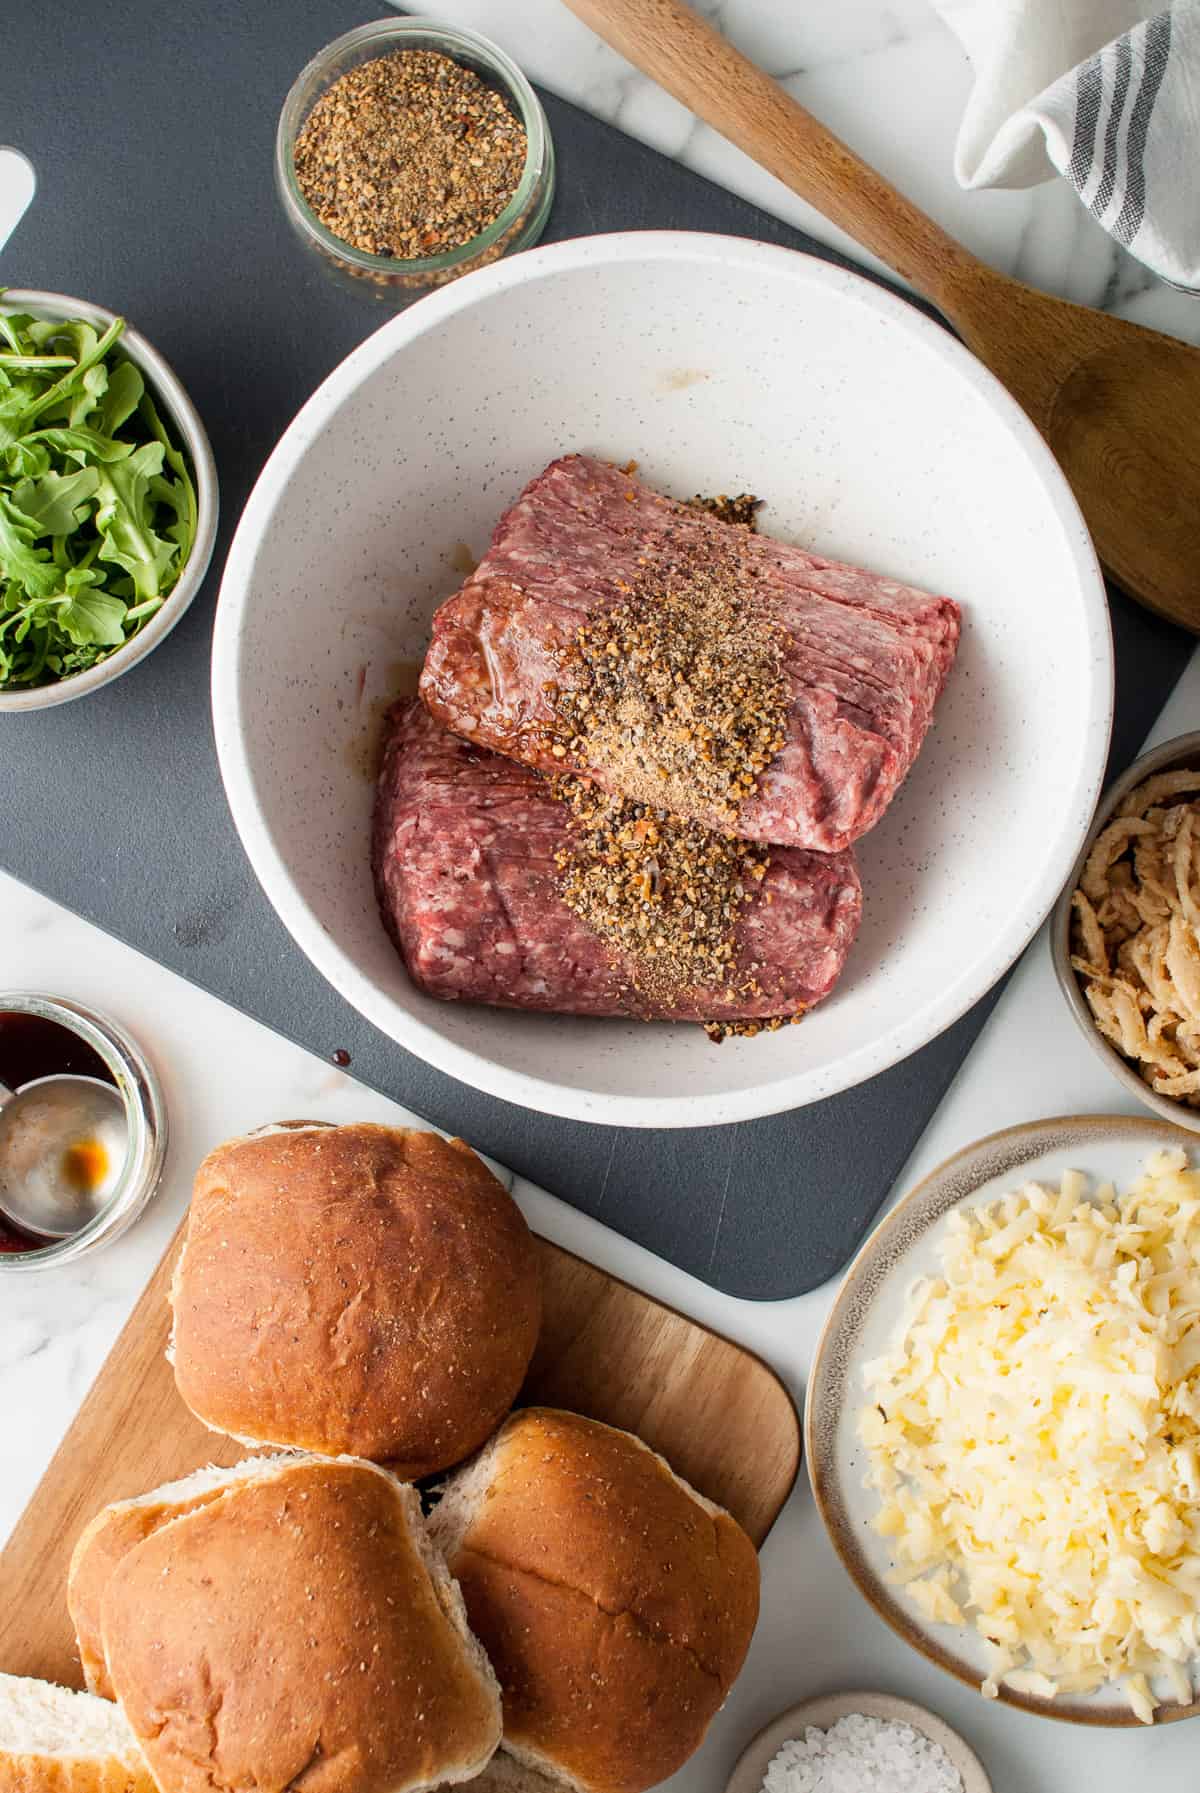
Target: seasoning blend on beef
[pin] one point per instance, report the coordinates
(499, 888)
(732, 679)
(647, 737)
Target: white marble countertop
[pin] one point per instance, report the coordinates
(891, 79)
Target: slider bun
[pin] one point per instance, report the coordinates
(298, 1631)
(616, 1603)
(367, 1290)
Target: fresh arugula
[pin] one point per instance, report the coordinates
(97, 504)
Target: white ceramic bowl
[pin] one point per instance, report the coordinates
(862, 1323)
(720, 365)
(176, 409)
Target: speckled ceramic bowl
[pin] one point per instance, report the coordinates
(1183, 751)
(720, 365)
(862, 1323)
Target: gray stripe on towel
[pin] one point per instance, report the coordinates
(1089, 91)
(1113, 140)
(1154, 67)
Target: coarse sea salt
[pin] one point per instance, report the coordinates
(860, 1754)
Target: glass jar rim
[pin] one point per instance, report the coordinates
(451, 38)
(145, 1119)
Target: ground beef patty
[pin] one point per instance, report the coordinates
(861, 658)
(464, 854)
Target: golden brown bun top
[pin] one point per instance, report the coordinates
(616, 1605)
(289, 1635)
(367, 1290)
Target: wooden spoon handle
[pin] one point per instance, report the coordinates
(667, 40)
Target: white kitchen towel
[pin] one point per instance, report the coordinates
(1106, 93)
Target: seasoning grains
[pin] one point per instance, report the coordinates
(743, 509)
(664, 891)
(409, 155)
(679, 690)
(681, 683)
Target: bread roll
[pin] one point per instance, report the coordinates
(368, 1290)
(111, 1535)
(616, 1603)
(56, 1741)
(298, 1631)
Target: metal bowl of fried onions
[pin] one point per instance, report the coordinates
(1125, 933)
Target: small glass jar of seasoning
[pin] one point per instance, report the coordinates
(411, 152)
(83, 1131)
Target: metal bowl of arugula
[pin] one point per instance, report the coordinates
(108, 499)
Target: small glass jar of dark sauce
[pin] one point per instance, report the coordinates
(44, 1036)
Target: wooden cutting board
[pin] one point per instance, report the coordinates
(716, 1412)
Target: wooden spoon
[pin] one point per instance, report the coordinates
(1119, 405)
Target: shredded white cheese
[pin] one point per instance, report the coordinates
(1034, 1435)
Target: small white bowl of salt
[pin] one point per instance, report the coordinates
(858, 1743)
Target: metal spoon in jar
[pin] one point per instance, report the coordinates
(63, 1142)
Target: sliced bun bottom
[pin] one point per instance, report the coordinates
(53, 1740)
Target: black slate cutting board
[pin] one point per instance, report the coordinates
(151, 133)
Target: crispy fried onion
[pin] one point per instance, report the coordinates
(1135, 933)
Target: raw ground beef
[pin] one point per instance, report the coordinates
(864, 659)
(463, 853)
